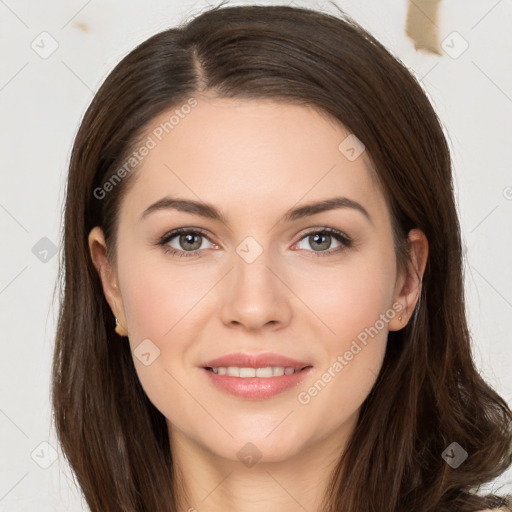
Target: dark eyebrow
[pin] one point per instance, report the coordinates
(209, 211)
(325, 205)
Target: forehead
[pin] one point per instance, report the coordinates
(249, 154)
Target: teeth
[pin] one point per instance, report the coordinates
(269, 371)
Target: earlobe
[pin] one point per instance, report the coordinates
(410, 287)
(107, 275)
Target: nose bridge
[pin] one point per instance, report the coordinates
(255, 296)
(252, 263)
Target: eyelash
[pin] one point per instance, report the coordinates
(338, 235)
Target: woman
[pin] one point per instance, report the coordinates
(263, 301)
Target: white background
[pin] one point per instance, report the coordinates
(41, 104)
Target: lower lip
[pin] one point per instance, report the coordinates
(256, 388)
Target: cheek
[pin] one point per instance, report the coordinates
(164, 303)
(159, 305)
(349, 297)
(354, 302)
(353, 356)
(160, 296)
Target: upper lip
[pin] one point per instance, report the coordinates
(263, 360)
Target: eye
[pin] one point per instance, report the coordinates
(320, 240)
(185, 242)
(188, 242)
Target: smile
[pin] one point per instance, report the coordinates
(265, 373)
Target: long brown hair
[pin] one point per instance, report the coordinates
(428, 393)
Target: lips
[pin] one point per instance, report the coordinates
(256, 388)
(262, 360)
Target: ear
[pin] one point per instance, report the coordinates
(408, 285)
(107, 274)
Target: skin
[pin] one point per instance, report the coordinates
(254, 160)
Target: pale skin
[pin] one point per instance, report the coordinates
(255, 160)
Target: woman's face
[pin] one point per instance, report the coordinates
(262, 280)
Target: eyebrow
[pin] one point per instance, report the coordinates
(211, 212)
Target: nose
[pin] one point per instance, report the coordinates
(255, 294)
